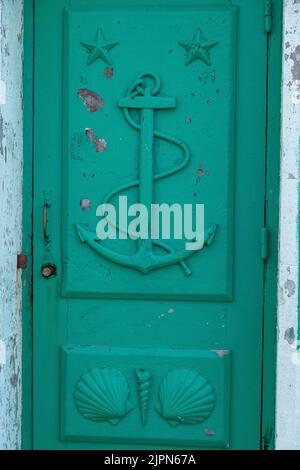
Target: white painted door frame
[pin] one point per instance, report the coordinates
(11, 158)
(288, 356)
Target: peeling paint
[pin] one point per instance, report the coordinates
(295, 57)
(85, 204)
(108, 72)
(92, 101)
(209, 432)
(290, 335)
(295, 73)
(100, 144)
(287, 381)
(290, 287)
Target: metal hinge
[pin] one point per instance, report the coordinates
(267, 438)
(268, 16)
(264, 243)
(21, 261)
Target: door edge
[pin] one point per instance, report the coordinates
(273, 125)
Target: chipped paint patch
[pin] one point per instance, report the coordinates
(92, 101)
(290, 335)
(201, 171)
(294, 83)
(108, 72)
(209, 432)
(290, 287)
(100, 144)
(295, 57)
(85, 204)
(220, 352)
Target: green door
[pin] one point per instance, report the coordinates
(145, 343)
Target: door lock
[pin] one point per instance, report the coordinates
(48, 270)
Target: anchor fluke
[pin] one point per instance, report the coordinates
(210, 235)
(81, 233)
(146, 261)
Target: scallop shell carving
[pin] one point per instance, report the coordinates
(143, 378)
(185, 397)
(103, 395)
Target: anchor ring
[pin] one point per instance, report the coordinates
(155, 77)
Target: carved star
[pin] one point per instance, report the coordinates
(198, 48)
(99, 49)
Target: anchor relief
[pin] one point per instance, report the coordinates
(143, 96)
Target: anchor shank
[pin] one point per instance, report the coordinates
(147, 102)
(146, 168)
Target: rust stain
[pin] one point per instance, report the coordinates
(21, 261)
(92, 101)
(99, 143)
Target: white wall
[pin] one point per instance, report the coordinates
(11, 37)
(288, 359)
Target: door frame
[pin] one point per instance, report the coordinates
(272, 192)
(272, 162)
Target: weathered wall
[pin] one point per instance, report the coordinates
(11, 35)
(288, 359)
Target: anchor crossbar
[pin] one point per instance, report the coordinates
(147, 102)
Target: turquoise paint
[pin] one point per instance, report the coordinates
(52, 284)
